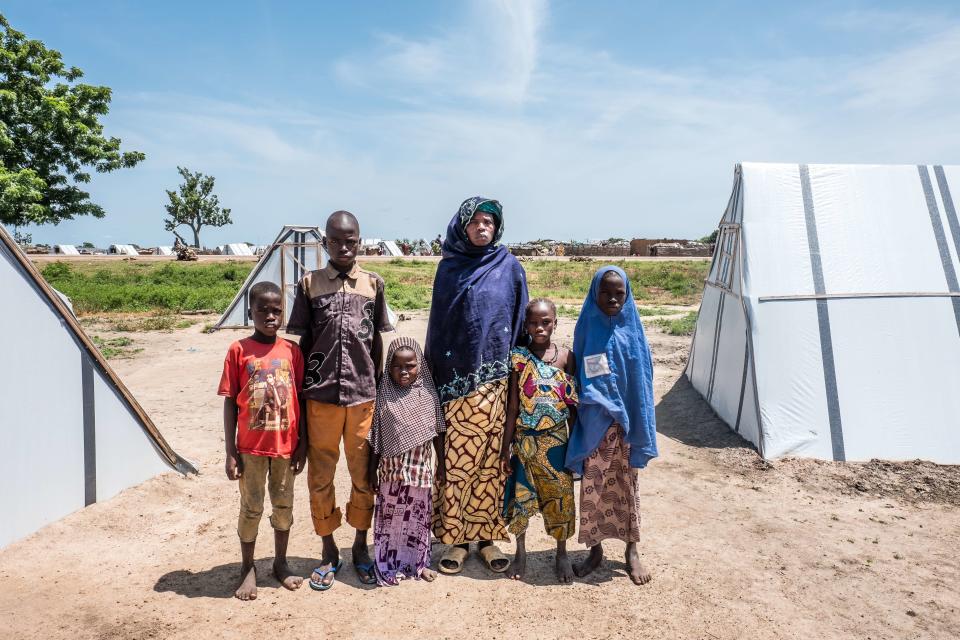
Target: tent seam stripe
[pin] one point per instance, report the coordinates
(823, 318)
(940, 236)
(89, 431)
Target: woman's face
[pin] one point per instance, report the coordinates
(481, 228)
(612, 293)
(404, 367)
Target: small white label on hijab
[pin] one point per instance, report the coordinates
(596, 365)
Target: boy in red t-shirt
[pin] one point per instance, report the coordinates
(263, 432)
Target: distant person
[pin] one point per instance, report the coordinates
(339, 312)
(615, 431)
(541, 401)
(258, 454)
(476, 317)
(437, 245)
(406, 422)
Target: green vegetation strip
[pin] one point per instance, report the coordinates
(684, 326)
(97, 287)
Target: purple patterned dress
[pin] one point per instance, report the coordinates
(401, 530)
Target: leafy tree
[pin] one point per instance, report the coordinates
(710, 239)
(87, 245)
(50, 134)
(195, 206)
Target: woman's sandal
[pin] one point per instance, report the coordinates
(452, 560)
(320, 585)
(494, 558)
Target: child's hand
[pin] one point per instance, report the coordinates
(505, 467)
(374, 479)
(441, 472)
(233, 466)
(299, 459)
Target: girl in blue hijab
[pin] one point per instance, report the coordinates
(615, 432)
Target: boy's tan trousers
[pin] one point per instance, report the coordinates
(327, 425)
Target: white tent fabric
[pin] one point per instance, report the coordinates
(65, 249)
(390, 248)
(163, 251)
(237, 249)
(296, 251)
(124, 249)
(89, 439)
(830, 322)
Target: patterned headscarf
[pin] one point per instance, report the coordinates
(405, 417)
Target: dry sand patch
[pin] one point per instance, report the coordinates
(738, 547)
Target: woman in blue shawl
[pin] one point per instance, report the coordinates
(479, 296)
(615, 433)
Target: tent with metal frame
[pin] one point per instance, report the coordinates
(74, 432)
(830, 321)
(296, 251)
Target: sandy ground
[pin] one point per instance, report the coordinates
(738, 547)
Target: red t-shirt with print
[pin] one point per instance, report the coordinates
(265, 380)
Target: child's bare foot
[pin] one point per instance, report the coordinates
(248, 585)
(519, 566)
(283, 574)
(638, 573)
(591, 564)
(428, 574)
(564, 568)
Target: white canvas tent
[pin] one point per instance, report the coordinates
(65, 249)
(390, 248)
(74, 433)
(163, 251)
(296, 251)
(830, 321)
(124, 249)
(237, 249)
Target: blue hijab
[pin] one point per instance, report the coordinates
(476, 316)
(619, 389)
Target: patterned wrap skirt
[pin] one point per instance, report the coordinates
(468, 506)
(401, 515)
(608, 493)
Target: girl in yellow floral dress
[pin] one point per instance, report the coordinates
(541, 403)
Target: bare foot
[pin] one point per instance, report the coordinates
(428, 574)
(591, 564)
(519, 566)
(283, 574)
(564, 569)
(638, 573)
(248, 585)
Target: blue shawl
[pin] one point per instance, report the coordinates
(476, 316)
(625, 394)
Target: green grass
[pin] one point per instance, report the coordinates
(166, 288)
(147, 286)
(684, 326)
(114, 348)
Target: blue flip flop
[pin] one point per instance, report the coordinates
(365, 572)
(320, 586)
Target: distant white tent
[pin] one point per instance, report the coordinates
(94, 439)
(390, 248)
(296, 251)
(124, 250)
(65, 249)
(237, 249)
(163, 251)
(830, 322)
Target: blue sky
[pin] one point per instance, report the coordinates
(587, 120)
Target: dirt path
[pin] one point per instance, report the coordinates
(738, 547)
